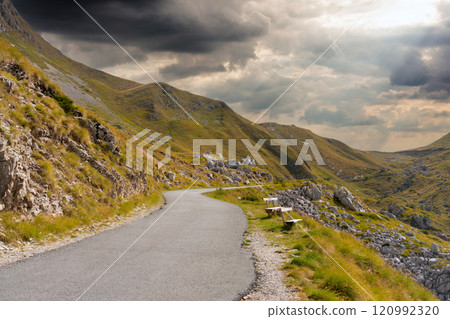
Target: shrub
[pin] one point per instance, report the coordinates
(65, 103)
(251, 198)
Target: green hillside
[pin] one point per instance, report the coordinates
(417, 180)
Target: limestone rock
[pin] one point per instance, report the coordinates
(314, 193)
(100, 133)
(10, 85)
(346, 198)
(395, 209)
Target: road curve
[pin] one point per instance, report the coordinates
(193, 252)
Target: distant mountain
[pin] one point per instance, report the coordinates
(133, 106)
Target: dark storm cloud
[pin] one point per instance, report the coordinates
(159, 25)
(177, 71)
(411, 71)
(431, 75)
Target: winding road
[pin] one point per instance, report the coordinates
(192, 252)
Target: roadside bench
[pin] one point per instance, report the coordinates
(288, 222)
(272, 206)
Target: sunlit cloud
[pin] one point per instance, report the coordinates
(385, 85)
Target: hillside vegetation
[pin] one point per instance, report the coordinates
(57, 171)
(311, 271)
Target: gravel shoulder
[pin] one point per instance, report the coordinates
(270, 281)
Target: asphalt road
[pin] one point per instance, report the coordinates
(193, 252)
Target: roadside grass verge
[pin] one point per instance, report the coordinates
(310, 270)
(13, 229)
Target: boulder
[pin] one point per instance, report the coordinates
(233, 164)
(171, 176)
(395, 209)
(419, 221)
(345, 197)
(390, 251)
(434, 248)
(213, 157)
(388, 214)
(314, 193)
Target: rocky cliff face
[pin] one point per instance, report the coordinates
(10, 19)
(36, 150)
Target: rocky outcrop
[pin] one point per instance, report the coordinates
(18, 192)
(421, 222)
(10, 84)
(14, 177)
(314, 193)
(427, 264)
(393, 211)
(100, 133)
(235, 172)
(14, 69)
(345, 197)
(23, 151)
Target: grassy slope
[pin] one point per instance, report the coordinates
(311, 271)
(430, 190)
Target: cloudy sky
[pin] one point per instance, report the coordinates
(384, 86)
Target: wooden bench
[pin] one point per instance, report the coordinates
(288, 222)
(272, 206)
